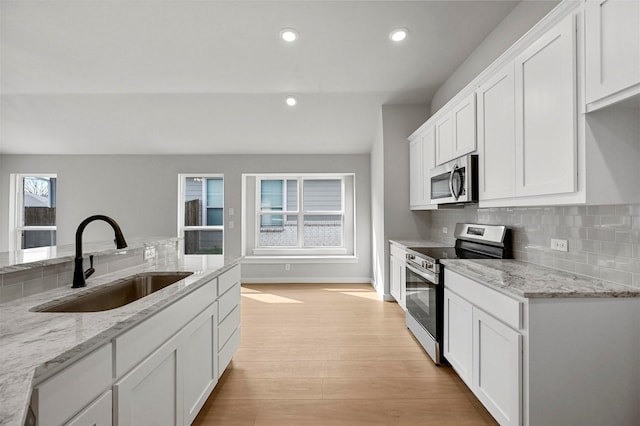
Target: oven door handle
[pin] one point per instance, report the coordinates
(422, 274)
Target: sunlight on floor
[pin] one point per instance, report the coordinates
(248, 290)
(364, 290)
(270, 298)
(368, 295)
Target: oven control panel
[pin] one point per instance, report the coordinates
(421, 263)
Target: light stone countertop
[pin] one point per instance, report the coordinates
(36, 345)
(418, 243)
(526, 280)
(20, 260)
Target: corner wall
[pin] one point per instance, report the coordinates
(521, 19)
(391, 217)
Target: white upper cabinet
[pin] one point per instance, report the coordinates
(612, 51)
(496, 136)
(546, 113)
(464, 126)
(455, 131)
(444, 139)
(421, 161)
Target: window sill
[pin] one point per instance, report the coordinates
(300, 259)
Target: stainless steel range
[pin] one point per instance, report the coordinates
(425, 287)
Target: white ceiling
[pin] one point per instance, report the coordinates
(170, 77)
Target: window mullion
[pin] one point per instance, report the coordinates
(300, 213)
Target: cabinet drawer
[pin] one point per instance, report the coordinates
(228, 326)
(228, 279)
(99, 413)
(228, 301)
(64, 395)
(397, 252)
(497, 304)
(133, 346)
(228, 350)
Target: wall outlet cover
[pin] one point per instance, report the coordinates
(149, 253)
(559, 245)
(444, 230)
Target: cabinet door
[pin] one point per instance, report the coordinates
(496, 136)
(428, 163)
(464, 126)
(151, 394)
(444, 139)
(458, 334)
(394, 278)
(99, 413)
(612, 47)
(497, 371)
(200, 358)
(403, 286)
(546, 116)
(416, 172)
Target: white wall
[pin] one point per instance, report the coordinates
(523, 17)
(390, 214)
(141, 194)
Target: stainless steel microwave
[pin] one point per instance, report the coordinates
(455, 181)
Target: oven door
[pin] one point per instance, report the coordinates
(422, 299)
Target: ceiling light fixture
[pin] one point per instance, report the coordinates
(291, 101)
(289, 35)
(398, 34)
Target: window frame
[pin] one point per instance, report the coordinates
(16, 211)
(182, 177)
(300, 250)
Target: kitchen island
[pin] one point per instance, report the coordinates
(38, 345)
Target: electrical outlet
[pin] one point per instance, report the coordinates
(231, 224)
(149, 253)
(231, 211)
(287, 266)
(444, 230)
(560, 245)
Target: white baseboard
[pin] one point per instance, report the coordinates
(308, 280)
(311, 280)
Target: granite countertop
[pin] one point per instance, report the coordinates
(20, 260)
(419, 243)
(529, 281)
(36, 345)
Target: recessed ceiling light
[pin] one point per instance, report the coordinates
(291, 101)
(399, 34)
(288, 34)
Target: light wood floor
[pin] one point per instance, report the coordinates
(314, 354)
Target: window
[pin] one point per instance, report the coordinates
(34, 212)
(201, 213)
(310, 214)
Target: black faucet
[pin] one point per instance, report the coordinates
(79, 274)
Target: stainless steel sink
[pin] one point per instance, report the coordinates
(122, 293)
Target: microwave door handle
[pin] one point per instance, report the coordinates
(451, 188)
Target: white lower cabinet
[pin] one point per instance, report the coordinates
(535, 361)
(200, 361)
(458, 334)
(497, 361)
(485, 351)
(68, 393)
(99, 413)
(398, 275)
(151, 393)
(172, 384)
(159, 372)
